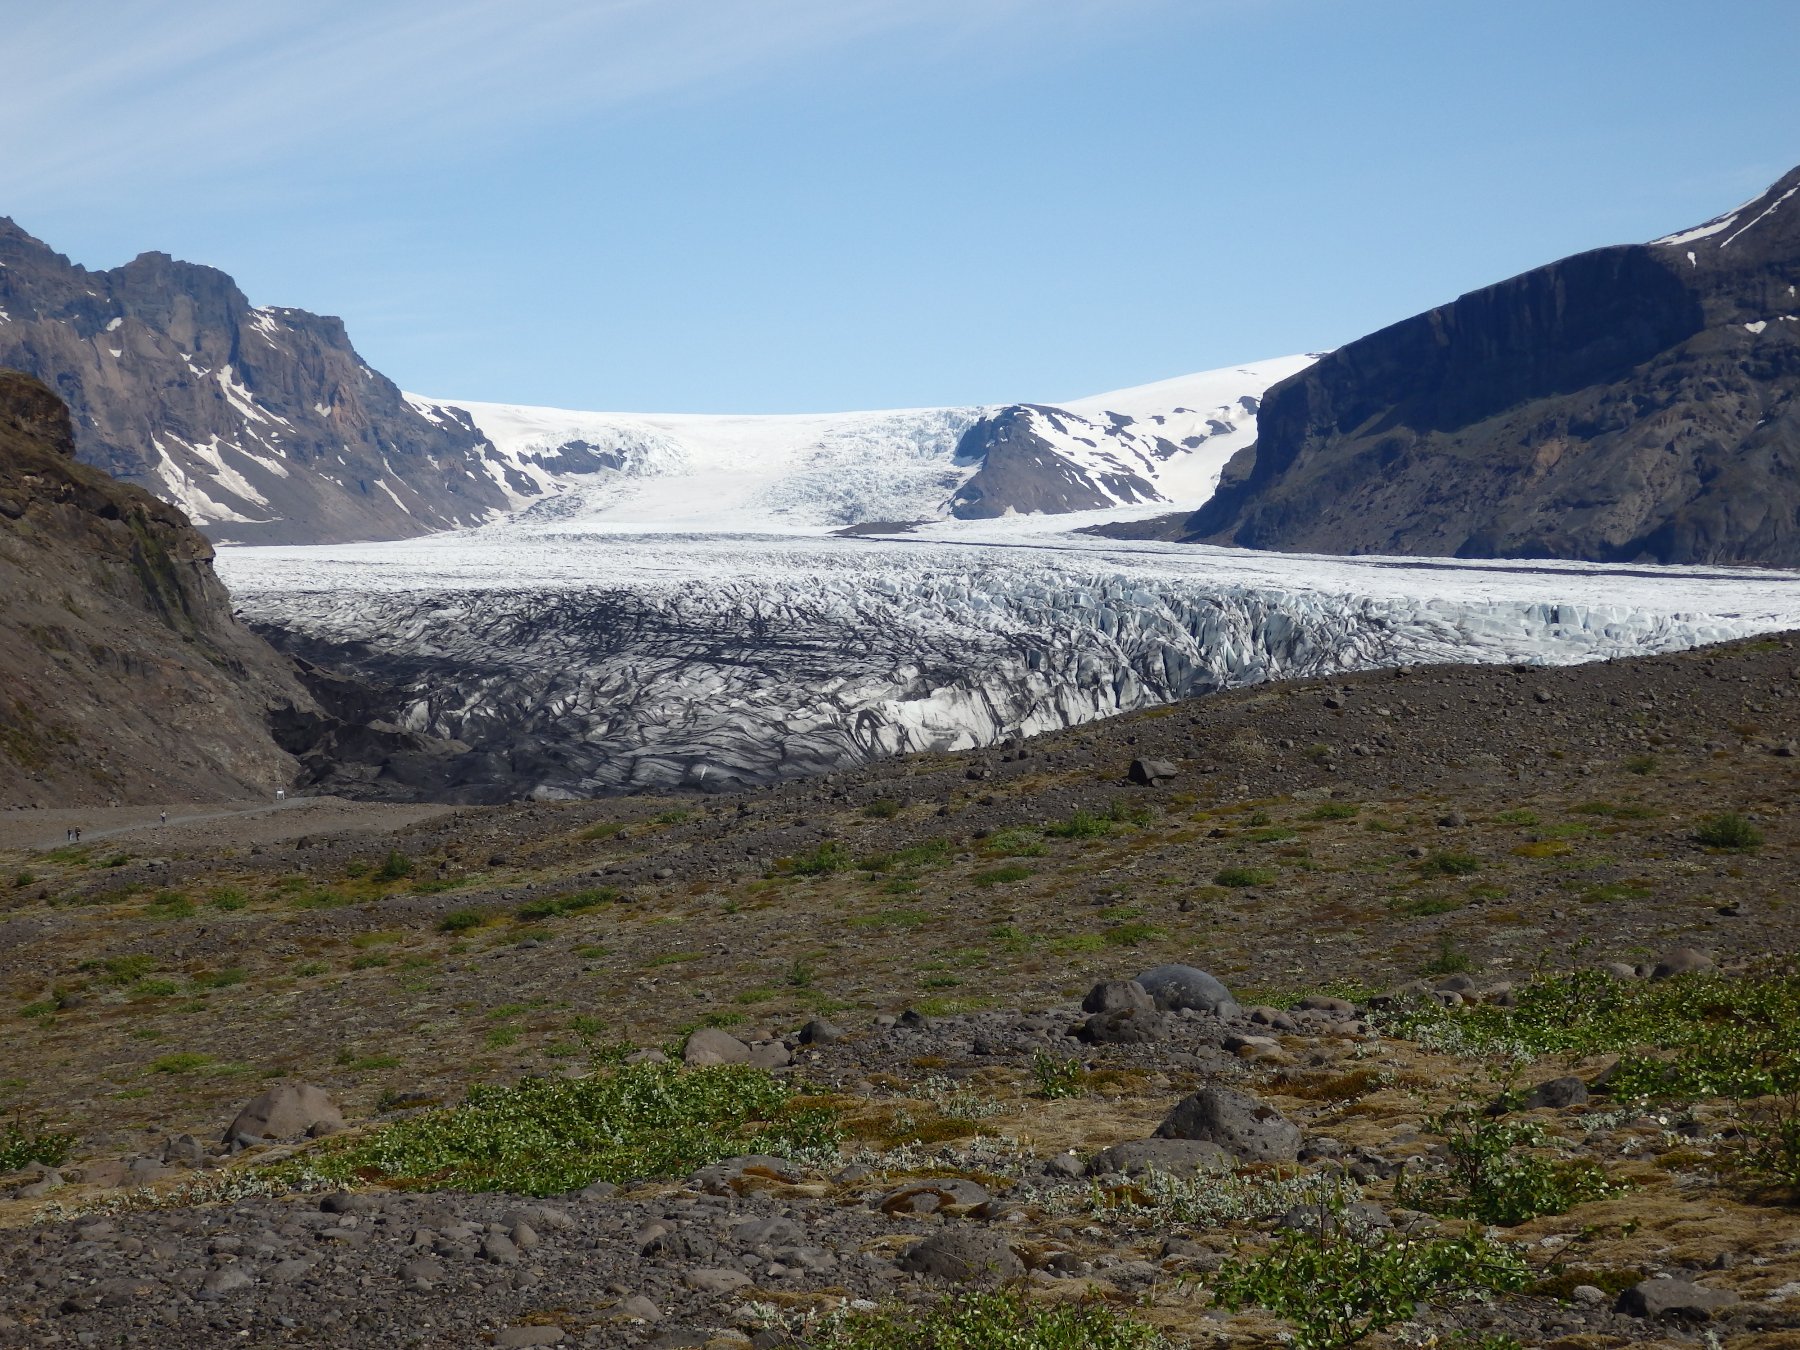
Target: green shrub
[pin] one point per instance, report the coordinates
(910, 860)
(23, 879)
(1702, 1035)
(170, 905)
(1015, 844)
(1339, 1287)
(1492, 1175)
(993, 876)
(22, 1144)
(1517, 817)
(395, 867)
(1132, 934)
(1730, 831)
(547, 1136)
(1002, 1321)
(1243, 876)
(219, 979)
(679, 815)
(1124, 812)
(229, 898)
(1450, 865)
(182, 1061)
(1333, 811)
(1772, 1132)
(1081, 825)
(883, 808)
(830, 856)
(461, 920)
(1058, 1076)
(556, 906)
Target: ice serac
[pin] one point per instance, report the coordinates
(263, 425)
(123, 675)
(1640, 402)
(574, 665)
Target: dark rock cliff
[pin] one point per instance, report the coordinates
(1632, 403)
(264, 425)
(123, 675)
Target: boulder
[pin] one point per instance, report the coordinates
(1176, 987)
(1556, 1092)
(1116, 996)
(1127, 1026)
(287, 1111)
(1149, 772)
(1178, 1157)
(709, 1045)
(819, 1032)
(1681, 961)
(1246, 1128)
(963, 1256)
(1673, 1298)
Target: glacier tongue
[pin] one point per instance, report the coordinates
(580, 664)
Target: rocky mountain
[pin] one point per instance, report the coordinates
(1636, 402)
(123, 675)
(263, 425)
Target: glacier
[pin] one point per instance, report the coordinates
(577, 659)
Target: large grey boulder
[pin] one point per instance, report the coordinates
(1176, 987)
(963, 1256)
(287, 1111)
(709, 1045)
(1178, 1157)
(1116, 996)
(1673, 1298)
(1127, 1026)
(1681, 961)
(1238, 1123)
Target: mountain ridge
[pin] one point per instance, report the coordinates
(1632, 403)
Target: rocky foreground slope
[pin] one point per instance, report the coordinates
(123, 675)
(1638, 402)
(1499, 886)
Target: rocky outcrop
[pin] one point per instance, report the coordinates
(123, 675)
(1632, 403)
(263, 425)
(1040, 459)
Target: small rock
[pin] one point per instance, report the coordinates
(1589, 1295)
(963, 1256)
(640, 1309)
(516, 1336)
(222, 1284)
(1557, 1092)
(715, 1281)
(819, 1032)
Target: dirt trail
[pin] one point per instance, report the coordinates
(208, 824)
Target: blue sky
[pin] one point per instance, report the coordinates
(778, 205)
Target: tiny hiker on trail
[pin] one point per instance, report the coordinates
(165, 817)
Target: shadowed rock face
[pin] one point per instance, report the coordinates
(123, 674)
(1629, 403)
(264, 425)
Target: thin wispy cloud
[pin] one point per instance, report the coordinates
(114, 94)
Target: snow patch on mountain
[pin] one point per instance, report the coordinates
(812, 472)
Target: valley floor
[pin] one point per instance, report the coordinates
(1489, 826)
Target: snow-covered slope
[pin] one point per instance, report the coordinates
(580, 662)
(820, 471)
